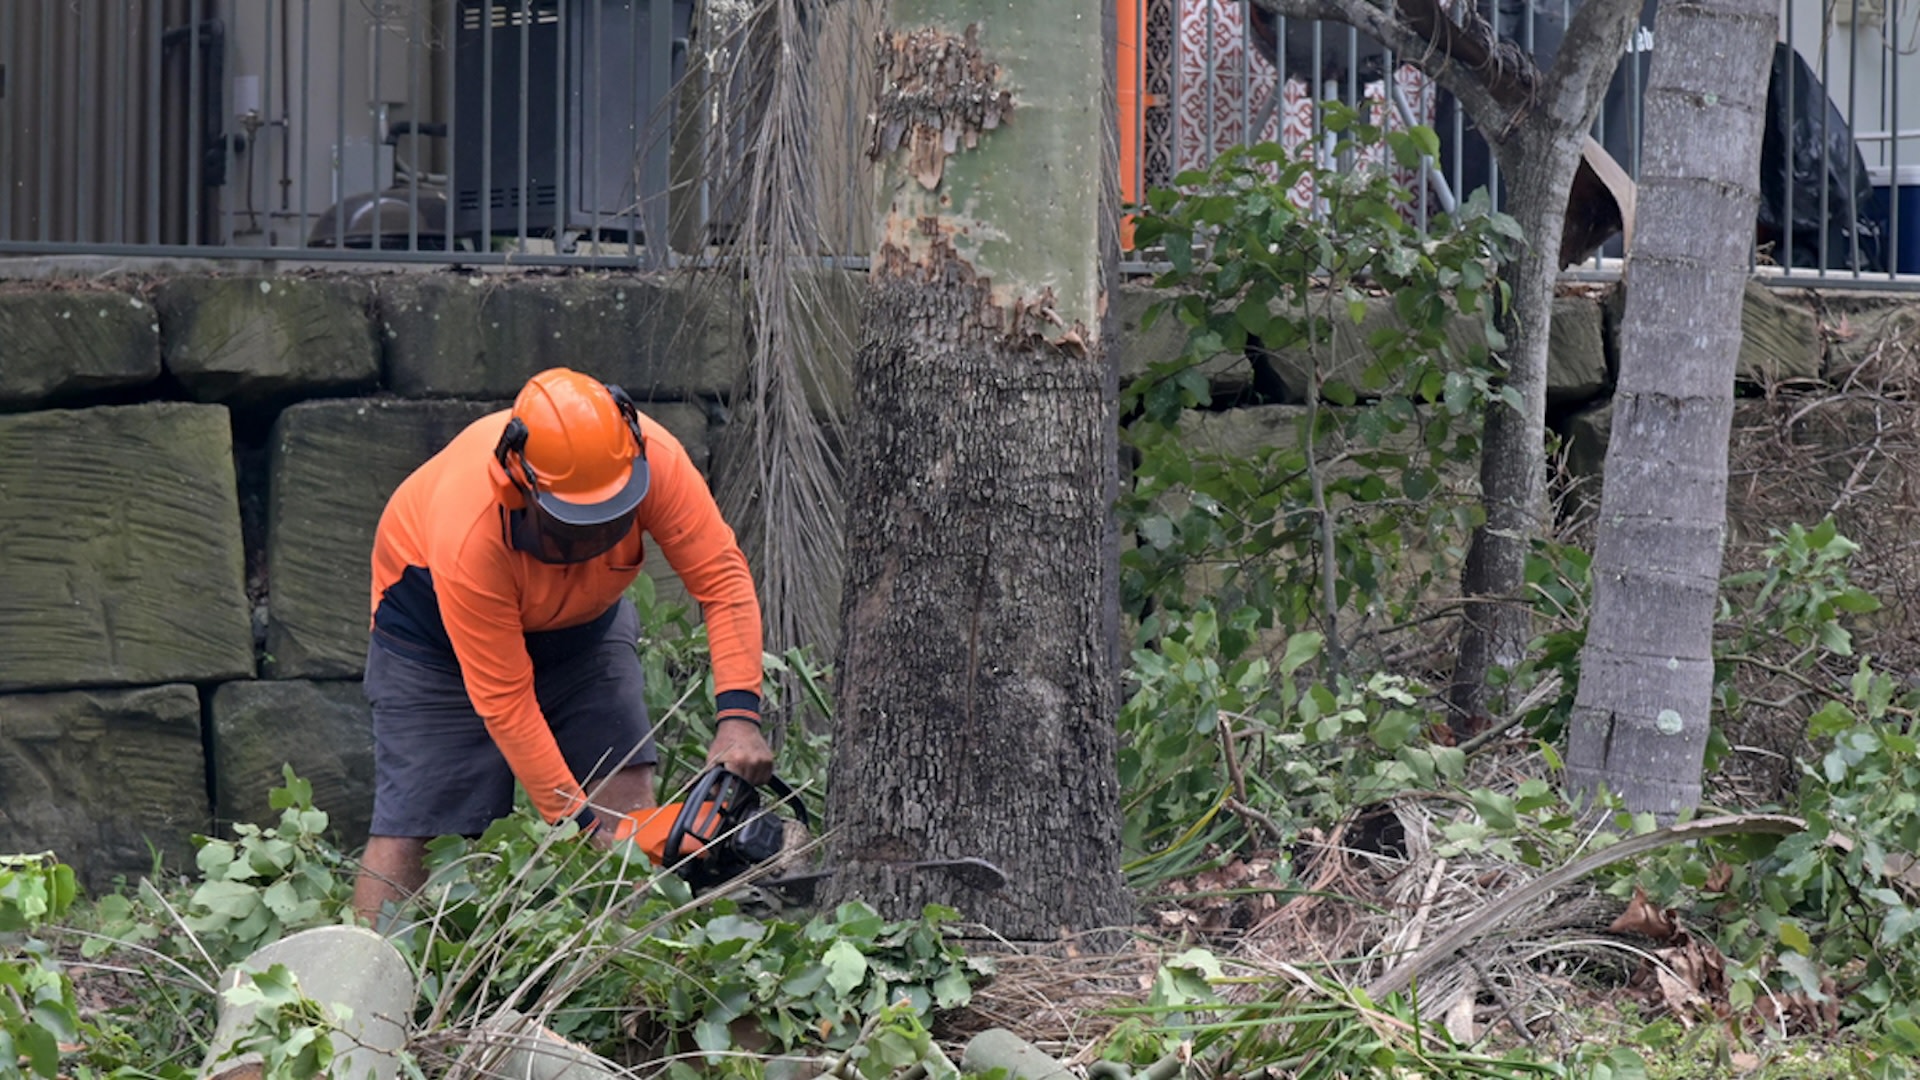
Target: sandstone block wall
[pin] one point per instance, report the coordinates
(191, 470)
(192, 466)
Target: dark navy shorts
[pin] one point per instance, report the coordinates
(436, 770)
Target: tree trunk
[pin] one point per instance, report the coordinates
(1537, 122)
(978, 686)
(1513, 450)
(1640, 719)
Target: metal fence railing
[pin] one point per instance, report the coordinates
(567, 131)
(407, 130)
(1840, 169)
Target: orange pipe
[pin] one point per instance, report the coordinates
(1129, 68)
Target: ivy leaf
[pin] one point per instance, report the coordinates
(1494, 808)
(1795, 938)
(712, 1035)
(1900, 922)
(1179, 247)
(950, 990)
(1805, 974)
(846, 967)
(233, 899)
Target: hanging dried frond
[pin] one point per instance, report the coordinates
(779, 85)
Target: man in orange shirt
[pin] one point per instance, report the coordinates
(503, 647)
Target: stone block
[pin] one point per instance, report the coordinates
(255, 340)
(95, 776)
(1139, 348)
(1587, 434)
(1576, 350)
(1781, 340)
(324, 730)
(1577, 367)
(334, 465)
(60, 343)
(454, 335)
(122, 560)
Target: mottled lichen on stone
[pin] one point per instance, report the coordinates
(938, 94)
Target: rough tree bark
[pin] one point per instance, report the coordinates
(1537, 124)
(1646, 673)
(978, 684)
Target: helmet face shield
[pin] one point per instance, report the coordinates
(551, 540)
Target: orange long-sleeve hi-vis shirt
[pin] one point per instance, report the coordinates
(450, 589)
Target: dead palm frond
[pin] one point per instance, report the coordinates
(777, 157)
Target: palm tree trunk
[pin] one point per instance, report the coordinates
(978, 689)
(1641, 716)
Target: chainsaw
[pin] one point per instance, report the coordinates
(721, 831)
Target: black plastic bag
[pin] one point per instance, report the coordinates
(1803, 119)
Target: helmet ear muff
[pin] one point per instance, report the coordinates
(511, 455)
(631, 414)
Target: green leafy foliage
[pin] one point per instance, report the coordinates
(252, 890)
(617, 953)
(679, 690)
(37, 1008)
(292, 1034)
(1254, 578)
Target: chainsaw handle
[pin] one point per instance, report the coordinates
(714, 793)
(683, 822)
(787, 795)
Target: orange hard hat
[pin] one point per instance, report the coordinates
(580, 456)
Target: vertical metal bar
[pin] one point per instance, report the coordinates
(452, 97)
(1319, 85)
(591, 120)
(196, 124)
(1826, 79)
(85, 124)
(256, 155)
(416, 111)
(1246, 75)
(1789, 196)
(1353, 68)
(1213, 90)
(340, 180)
(156, 60)
(853, 164)
(659, 147)
(256, 152)
(1457, 169)
(8, 14)
(229, 157)
(377, 109)
(633, 120)
(1893, 160)
(46, 145)
(306, 99)
(1853, 93)
(526, 80)
(562, 58)
(486, 123)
